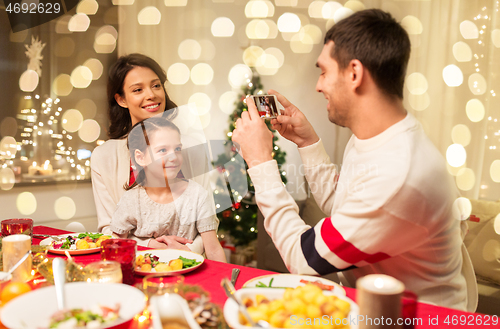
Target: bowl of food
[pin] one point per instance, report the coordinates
(291, 307)
(100, 305)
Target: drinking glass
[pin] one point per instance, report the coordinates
(122, 251)
(105, 271)
(409, 309)
(14, 247)
(17, 226)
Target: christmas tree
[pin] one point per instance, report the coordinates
(240, 220)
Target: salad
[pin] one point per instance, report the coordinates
(82, 241)
(151, 263)
(94, 317)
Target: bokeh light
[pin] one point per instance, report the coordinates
(419, 102)
(189, 49)
(149, 15)
(176, 3)
(355, 5)
(462, 208)
(475, 110)
(20, 36)
(222, 27)
(88, 7)
(462, 52)
(95, 66)
(276, 53)
(62, 25)
(301, 44)
(65, 208)
(496, 224)
(313, 34)
(26, 203)
(460, 134)
(465, 179)
(61, 86)
(259, 9)
(477, 84)
(267, 64)
(315, 9)
(412, 25)
(105, 39)
(202, 74)
(416, 83)
(205, 120)
(251, 54)
(123, 2)
(495, 37)
(261, 29)
(227, 101)
(202, 103)
(28, 81)
(495, 171)
(178, 74)
(79, 23)
(81, 77)
(238, 75)
(89, 131)
(64, 47)
(8, 147)
(289, 22)
(342, 13)
(8, 127)
(72, 120)
(469, 30)
(87, 108)
(7, 179)
(328, 9)
(456, 155)
(489, 250)
(207, 50)
(453, 76)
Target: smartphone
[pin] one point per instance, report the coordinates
(267, 105)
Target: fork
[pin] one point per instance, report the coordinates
(53, 237)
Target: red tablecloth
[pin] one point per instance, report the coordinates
(210, 274)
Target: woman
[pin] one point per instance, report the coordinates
(135, 92)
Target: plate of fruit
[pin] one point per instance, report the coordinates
(166, 262)
(75, 243)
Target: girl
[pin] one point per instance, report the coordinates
(135, 92)
(161, 202)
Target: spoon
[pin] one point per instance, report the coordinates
(234, 275)
(16, 265)
(59, 270)
(229, 289)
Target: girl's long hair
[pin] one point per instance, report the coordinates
(120, 122)
(138, 139)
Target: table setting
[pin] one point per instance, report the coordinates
(159, 288)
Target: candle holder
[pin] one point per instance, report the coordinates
(14, 247)
(104, 272)
(122, 251)
(17, 226)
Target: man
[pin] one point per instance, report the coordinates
(391, 203)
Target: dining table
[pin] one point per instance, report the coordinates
(210, 274)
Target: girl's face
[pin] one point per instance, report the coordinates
(143, 94)
(163, 159)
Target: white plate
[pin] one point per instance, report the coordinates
(292, 281)
(48, 242)
(166, 255)
(33, 309)
(231, 310)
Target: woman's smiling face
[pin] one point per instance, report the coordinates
(143, 94)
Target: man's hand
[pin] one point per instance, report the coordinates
(170, 242)
(253, 137)
(293, 124)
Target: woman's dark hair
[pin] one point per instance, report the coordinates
(379, 42)
(120, 122)
(138, 139)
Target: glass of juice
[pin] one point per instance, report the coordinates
(123, 252)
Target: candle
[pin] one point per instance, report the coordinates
(13, 249)
(47, 168)
(379, 300)
(33, 169)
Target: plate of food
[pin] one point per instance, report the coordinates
(167, 262)
(293, 281)
(103, 305)
(75, 243)
(303, 306)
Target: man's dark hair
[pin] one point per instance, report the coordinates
(379, 42)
